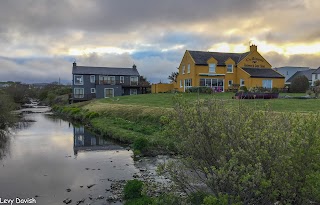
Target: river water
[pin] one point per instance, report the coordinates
(50, 156)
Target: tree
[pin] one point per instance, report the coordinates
(240, 156)
(173, 76)
(143, 81)
(299, 84)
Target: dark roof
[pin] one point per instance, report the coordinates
(317, 71)
(263, 73)
(104, 70)
(307, 73)
(201, 57)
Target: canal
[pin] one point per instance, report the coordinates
(51, 160)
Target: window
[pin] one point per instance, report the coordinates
(78, 80)
(92, 78)
(111, 80)
(188, 82)
(316, 76)
(78, 93)
(181, 83)
(133, 91)
(267, 84)
(241, 82)
(93, 90)
(212, 68)
(121, 79)
(183, 69)
(108, 92)
(230, 82)
(216, 84)
(188, 68)
(134, 80)
(230, 68)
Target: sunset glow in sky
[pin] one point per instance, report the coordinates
(41, 39)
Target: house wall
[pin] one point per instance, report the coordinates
(276, 82)
(315, 77)
(100, 90)
(288, 72)
(87, 85)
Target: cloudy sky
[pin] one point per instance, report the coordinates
(39, 39)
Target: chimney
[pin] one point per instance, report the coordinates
(134, 67)
(74, 64)
(253, 48)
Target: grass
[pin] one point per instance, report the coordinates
(129, 118)
(166, 100)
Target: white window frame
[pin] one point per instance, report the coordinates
(188, 68)
(108, 89)
(231, 68)
(135, 91)
(121, 79)
(92, 78)
(137, 80)
(181, 83)
(74, 80)
(229, 83)
(80, 95)
(212, 67)
(242, 82)
(183, 69)
(93, 90)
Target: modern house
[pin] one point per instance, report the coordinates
(223, 71)
(288, 71)
(104, 82)
(307, 73)
(315, 76)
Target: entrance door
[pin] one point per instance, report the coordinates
(108, 93)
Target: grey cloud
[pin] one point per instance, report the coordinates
(307, 60)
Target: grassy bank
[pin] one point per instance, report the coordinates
(141, 119)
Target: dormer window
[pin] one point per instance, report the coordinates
(229, 68)
(188, 68)
(212, 68)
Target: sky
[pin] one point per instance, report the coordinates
(40, 39)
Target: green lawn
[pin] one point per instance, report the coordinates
(166, 100)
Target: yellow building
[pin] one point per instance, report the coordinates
(222, 71)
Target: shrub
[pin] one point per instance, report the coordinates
(201, 89)
(145, 200)
(243, 88)
(317, 83)
(141, 144)
(257, 157)
(133, 189)
(300, 84)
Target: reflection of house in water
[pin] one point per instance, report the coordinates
(85, 141)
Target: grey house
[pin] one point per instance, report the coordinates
(103, 82)
(307, 73)
(289, 71)
(315, 76)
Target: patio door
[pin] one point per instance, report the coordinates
(108, 92)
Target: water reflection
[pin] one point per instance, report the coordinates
(84, 140)
(4, 143)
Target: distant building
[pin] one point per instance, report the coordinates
(289, 71)
(315, 76)
(224, 71)
(104, 82)
(307, 73)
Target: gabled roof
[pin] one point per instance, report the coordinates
(88, 70)
(201, 57)
(262, 73)
(307, 73)
(317, 71)
(291, 68)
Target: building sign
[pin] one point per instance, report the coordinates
(255, 62)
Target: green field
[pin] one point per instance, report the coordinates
(166, 100)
